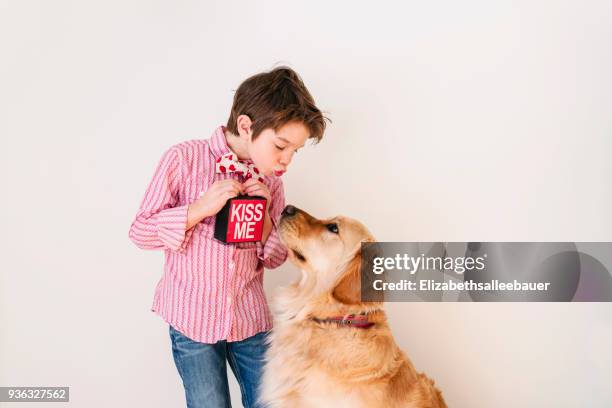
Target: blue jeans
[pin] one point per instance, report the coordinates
(204, 372)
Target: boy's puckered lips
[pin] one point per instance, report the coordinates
(279, 173)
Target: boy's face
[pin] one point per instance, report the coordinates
(272, 151)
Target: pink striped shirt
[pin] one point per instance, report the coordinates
(209, 291)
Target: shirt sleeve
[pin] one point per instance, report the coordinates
(159, 223)
(273, 253)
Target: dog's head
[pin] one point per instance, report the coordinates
(327, 251)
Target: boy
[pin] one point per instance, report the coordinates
(211, 294)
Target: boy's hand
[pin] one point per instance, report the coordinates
(257, 188)
(211, 202)
(254, 187)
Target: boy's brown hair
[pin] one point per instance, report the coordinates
(272, 99)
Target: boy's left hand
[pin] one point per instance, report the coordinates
(254, 187)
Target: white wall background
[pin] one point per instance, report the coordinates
(471, 120)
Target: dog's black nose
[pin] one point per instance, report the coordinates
(289, 210)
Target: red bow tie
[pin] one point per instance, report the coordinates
(229, 163)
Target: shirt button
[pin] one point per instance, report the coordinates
(231, 265)
(229, 300)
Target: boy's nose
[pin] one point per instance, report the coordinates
(286, 158)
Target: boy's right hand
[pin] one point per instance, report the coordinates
(211, 202)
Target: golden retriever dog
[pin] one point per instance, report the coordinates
(328, 348)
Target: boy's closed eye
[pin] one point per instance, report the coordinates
(281, 148)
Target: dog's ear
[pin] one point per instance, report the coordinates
(348, 289)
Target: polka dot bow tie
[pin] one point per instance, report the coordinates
(229, 163)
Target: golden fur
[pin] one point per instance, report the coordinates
(318, 364)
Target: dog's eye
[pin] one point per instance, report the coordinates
(333, 227)
(299, 256)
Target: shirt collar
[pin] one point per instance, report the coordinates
(218, 144)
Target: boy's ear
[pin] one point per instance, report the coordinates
(243, 123)
(348, 289)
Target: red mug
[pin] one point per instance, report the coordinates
(241, 219)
